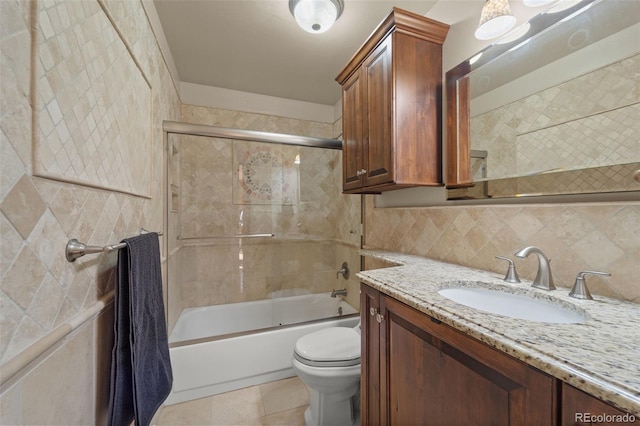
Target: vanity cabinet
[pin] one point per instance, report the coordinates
(417, 371)
(581, 409)
(391, 107)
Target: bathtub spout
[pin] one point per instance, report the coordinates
(342, 292)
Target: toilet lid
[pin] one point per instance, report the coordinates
(333, 346)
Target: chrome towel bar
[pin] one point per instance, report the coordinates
(76, 249)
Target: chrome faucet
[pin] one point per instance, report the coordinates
(342, 292)
(543, 279)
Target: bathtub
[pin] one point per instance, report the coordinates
(221, 348)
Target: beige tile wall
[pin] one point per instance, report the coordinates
(229, 273)
(87, 131)
(589, 121)
(577, 237)
(315, 232)
(42, 295)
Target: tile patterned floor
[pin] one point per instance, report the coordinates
(279, 403)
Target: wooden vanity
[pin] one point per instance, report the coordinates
(418, 370)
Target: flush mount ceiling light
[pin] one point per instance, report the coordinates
(496, 19)
(316, 16)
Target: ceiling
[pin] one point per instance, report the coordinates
(256, 46)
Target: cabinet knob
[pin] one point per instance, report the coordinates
(358, 173)
(363, 172)
(379, 318)
(373, 311)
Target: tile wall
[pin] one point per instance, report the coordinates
(58, 314)
(577, 237)
(84, 163)
(316, 228)
(592, 122)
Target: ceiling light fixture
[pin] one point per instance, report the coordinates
(316, 16)
(496, 19)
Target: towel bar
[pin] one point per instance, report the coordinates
(76, 249)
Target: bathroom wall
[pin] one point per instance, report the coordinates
(576, 237)
(589, 121)
(82, 103)
(316, 228)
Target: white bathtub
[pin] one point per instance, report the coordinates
(203, 366)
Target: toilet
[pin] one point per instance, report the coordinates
(328, 362)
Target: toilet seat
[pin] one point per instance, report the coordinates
(329, 347)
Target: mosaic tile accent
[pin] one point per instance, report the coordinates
(93, 103)
(265, 175)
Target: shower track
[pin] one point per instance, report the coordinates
(251, 135)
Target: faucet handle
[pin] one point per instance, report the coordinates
(344, 271)
(512, 274)
(580, 290)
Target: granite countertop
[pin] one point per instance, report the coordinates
(600, 357)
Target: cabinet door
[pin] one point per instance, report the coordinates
(437, 375)
(579, 408)
(378, 138)
(370, 356)
(352, 136)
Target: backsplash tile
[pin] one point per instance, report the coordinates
(576, 237)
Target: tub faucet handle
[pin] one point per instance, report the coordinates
(512, 274)
(344, 271)
(580, 290)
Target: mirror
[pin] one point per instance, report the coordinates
(553, 111)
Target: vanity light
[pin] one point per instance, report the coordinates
(316, 16)
(495, 19)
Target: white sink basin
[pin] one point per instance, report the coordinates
(511, 305)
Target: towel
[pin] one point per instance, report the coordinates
(141, 375)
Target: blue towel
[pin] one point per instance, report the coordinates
(141, 376)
